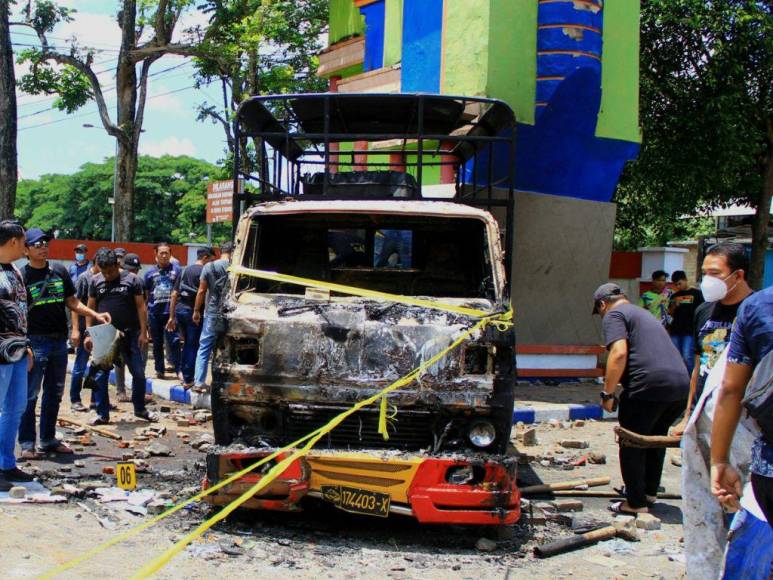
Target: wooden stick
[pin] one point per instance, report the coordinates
(599, 493)
(562, 485)
(574, 542)
(626, 438)
(97, 430)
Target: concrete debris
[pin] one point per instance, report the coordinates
(79, 463)
(579, 423)
(485, 545)
(574, 444)
(647, 522)
(202, 416)
(158, 449)
(203, 439)
(596, 458)
(17, 492)
(676, 460)
(530, 437)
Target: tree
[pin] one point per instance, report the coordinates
(171, 200)
(263, 47)
(707, 117)
(76, 83)
(8, 154)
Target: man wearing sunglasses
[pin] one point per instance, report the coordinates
(49, 290)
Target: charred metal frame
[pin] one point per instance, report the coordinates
(302, 148)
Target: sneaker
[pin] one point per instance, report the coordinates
(99, 421)
(148, 416)
(5, 485)
(79, 407)
(16, 474)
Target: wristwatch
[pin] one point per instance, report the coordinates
(606, 396)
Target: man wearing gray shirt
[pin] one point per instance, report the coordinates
(212, 281)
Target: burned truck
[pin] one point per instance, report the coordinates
(348, 274)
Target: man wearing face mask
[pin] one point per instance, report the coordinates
(646, 363)
(724, 289)
(81, 263)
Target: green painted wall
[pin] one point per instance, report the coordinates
(393, 32)
(512, 57)
(345, 20)
(619, 114)
(465, 47)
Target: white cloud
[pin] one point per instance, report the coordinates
(100, 31)
(168, 146)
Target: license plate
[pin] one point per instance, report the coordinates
(358, 501)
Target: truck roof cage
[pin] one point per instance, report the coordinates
(367, 146)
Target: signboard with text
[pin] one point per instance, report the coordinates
(220, 200)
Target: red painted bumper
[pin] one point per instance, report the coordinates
(492, 498)
(481, 493)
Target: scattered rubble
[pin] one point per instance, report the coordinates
(485, 545)
(573, 444)
(647, 522)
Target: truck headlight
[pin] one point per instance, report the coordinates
(482, 434)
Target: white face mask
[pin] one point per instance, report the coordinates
(714, 288)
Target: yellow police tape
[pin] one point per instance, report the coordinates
(355, 291)
(502, 321)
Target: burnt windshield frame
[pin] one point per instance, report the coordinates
(450, 255)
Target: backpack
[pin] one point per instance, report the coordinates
(759, 396)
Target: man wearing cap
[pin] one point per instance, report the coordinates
(655, 384)
(81, 262)
(159, 282)
(120, 253)
(120, 293)
(49, 290)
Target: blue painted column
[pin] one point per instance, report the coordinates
(422, 37)
(374, 35)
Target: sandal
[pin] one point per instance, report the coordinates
(59, 448)
(616, 507)
(650, 498)
(99, 421)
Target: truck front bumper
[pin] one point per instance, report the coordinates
(436, 490)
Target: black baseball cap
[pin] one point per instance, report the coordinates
(120, 252)
(81, 247)
(132, 261)
(605, 291)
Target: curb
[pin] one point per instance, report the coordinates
(567, 412)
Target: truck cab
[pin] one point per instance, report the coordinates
(346, 279)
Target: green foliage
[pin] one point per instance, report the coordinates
(45, 15)
(170, 205)
(706, 105)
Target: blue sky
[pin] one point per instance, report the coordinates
(62, 144)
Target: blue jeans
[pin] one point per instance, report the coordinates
(132, 357)
(13, 401)
(49, 371)
(157, 326)
(190, 333)
(206, 344)
(78, 372)
(685, 344)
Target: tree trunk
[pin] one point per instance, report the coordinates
(8, 127)
(126, 160)
(126, 171)
(760, 224)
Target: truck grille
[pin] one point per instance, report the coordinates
(409, 430)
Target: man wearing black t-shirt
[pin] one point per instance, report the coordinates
(725, 288)
(15, 356)
(682, 310)
(49, 290)
(120, 294)
(186, 286)
(655, 385)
